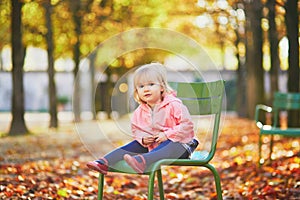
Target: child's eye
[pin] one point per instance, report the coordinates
(151, 84)
(141, 86)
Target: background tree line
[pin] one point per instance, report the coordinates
(68, 28)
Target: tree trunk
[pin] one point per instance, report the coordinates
(51, 71)
(273, 39)
(241, 97)
(93, 84)
(292, 21)
(108, 94)
(75, 6)
(255, 72)
(18, 125)
(241, 91)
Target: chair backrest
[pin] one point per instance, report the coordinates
(203, 98)
(284, 101)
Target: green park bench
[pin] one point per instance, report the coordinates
(202, 98)
(281, 102)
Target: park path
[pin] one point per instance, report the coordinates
(84, 139)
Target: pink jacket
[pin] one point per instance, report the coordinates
(170, 116)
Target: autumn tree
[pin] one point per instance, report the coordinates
(254, 56)
(274, 54)
(78, 9)
(18, 125)
(292, 26)
(240, 44)
(5, 24)
(77, 16)
(79, 26)
(51, 71)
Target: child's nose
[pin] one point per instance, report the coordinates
(147, 87)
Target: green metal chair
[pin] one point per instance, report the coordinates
(282, 102)
(201, 98)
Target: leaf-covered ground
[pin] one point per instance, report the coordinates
(51, 165)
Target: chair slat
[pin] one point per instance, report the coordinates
(201, 98)
(203, 107)
(287, 101)
(198, 89)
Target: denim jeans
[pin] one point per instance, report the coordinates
(166, 149)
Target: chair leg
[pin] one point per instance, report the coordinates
(100, 186)
(259, 149)
(151, 185)
(217, 180)
(271, 147)
(160, 185)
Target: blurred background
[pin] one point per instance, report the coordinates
(51, 61)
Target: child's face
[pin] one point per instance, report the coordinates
(150, 92)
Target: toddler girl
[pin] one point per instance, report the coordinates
(161, 125)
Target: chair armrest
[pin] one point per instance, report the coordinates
(262, 107)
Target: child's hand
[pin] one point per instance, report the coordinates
(148, 140)
(160, 137)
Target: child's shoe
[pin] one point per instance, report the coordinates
(139, 167)
(98, 165)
